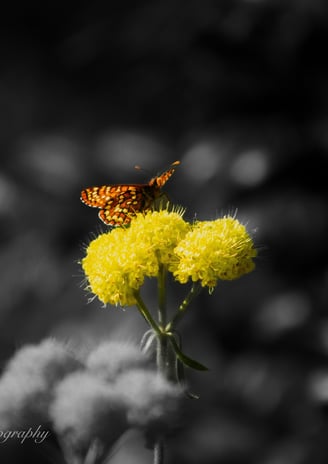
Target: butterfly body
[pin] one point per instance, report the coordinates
(119, 203)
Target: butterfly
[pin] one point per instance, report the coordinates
(119, 203)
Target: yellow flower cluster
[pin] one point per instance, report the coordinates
(117, 262)
(213, 250)
(161, 231)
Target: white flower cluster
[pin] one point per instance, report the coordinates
(88, 403)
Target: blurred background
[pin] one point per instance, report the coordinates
(238, 91)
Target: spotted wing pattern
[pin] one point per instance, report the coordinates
(160, 180)
(119, 203)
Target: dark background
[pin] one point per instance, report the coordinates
(236, 90)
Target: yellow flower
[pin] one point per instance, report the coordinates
(161, 231)
(117, 262)
(213, 250)
(115, 267)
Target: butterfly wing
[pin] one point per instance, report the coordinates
(98, 197)
(118, 203)
(161, 179)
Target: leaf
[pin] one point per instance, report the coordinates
(180, 374)
(185, 359)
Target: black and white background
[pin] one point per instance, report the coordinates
(238, 91)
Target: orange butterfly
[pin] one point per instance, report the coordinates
(121, 202)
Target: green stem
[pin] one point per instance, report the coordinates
(162, 296)
(161, 354)
(194, 291)
(162, 358)
(146, 314)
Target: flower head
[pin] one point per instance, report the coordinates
(27, 382)
(115, 267)
(110, 358)
(162, 231)
(117, 262)
(213, 250)
(86, 408)
(151, 400)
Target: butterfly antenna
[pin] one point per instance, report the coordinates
(141, 169)
(176, 163)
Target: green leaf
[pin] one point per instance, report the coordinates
(185, 359)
